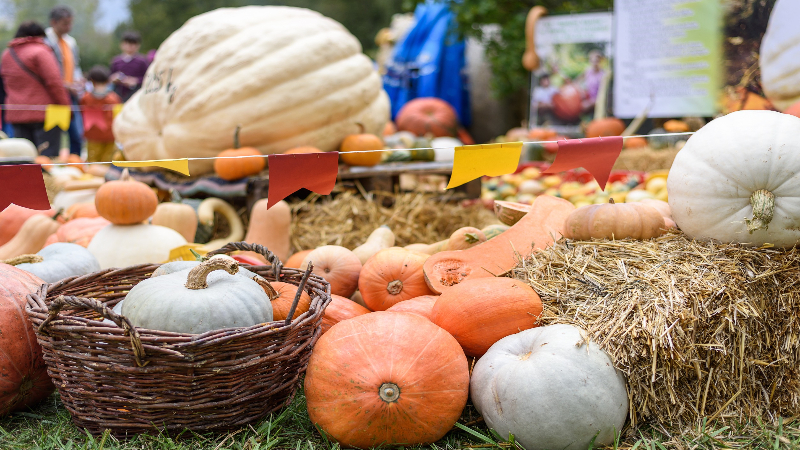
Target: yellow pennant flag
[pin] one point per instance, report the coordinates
(57, 116)
(178, 165)
(116, 109)
(475, 161)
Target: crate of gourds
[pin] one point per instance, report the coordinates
(199, 345)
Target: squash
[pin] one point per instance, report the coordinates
(428, 115)
(65, 199)
(614, 221)
(205, 214)
(663, 208)
(386, 379)
(128, 245)
(271, 227)
(464, 238)
(125, 201)
(30, 238)
(78, 231)
(24, 378)
(229, 167)
(283, 302)
(12, 218)
(361, 142)
(18, 148)
(421, 306)
(302, 149)
(296, 260)
(378, 240)
(389, 129)
(82, 210)
(510, 212)
(356, 297)
(391, 276)
(676, 126)
(780, 55)
(634, 142)
(567, 102)
(479, 313)
(180, 217)
(493, 231)
(339, 309)
(538, 229)
(607, 126)
(793, 110)
(550, 388)
(734, 184)
(428, 249)
(338, 266)
(198, 300)
(289, 76)
(56, 262)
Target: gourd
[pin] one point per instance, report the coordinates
(205, 214)
(78, 231)
(18, 148)
(479, 313)
(635, 142)
(492, 231)
(361, 142)
(128, 245)
(663, 208)
(12, 218)
(421, 306)
(56, 262)
(296, 260)
(229, 167)
(24, 378)
(464, 238)
(289, 76)
(81, 210)
(391, 276)
(339, 309)
(780, 55)
(338, 266)
(302, 149)
(30, 238)
(736, 180)
(614, 221)
(386, 379)
(676, 126)
(428, 249)
(510, 212)
(271, 227)
(199, 300)
(125, 201)
(65, 199)
(551, 389)
(607, 126)
(378, 240)
(567, 102)
(178, 216)
(428, 115)
(283, 302)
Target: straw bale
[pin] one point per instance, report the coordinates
(700, 329)
(646, 159)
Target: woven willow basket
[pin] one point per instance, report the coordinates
(133, 380)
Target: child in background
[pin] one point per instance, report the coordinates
(100, 142)
(128, 69)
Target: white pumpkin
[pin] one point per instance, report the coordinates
(780, 55)
(65, 199)
(444, 148)
(18, 147)
(128, 245)
(550, 389)
(288, 76)
(60, 260)
(738, 180)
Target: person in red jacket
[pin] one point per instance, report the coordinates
(32, 77)
(100, 139)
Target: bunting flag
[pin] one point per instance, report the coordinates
(57, 116)
(178, 165)
(23, 185)
(475, 161)
(313, 171)
(596, 155)
(116, 110)
(94, 117)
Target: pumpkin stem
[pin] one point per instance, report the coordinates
(236, 136)
(471, 238)
(611, 200)
(389, 392)
(126, 175)
(23, 259)
(361, 128)
(271, 292)
(395, 287)
(763, 203)
(198, 275)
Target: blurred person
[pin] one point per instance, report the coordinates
(31, 76)
(592, 78)
(100, 143)
(128, 68)
(543, 97)
(68, 56)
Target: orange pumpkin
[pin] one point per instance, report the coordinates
(542, 134)
(237, 168)
(480, 312)
(386, 379)
(614, 221)
(302, 149)
(78, 231)
(75, 159)
(609, 126)
(464, 238)
(567, 103)
(296, 260)
(338, 266)
(79, 210)
(44, 161)
(389, 129)
(358, 143)
(421, 306)
(635, 142)
(428, 115)
(12, 218)
(283, 303)
(340, 309)
(391, 276)
(125, 201)
(676, 126)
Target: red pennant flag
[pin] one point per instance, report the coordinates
(596, 155)
(313, 171)
(23, 185)
(94, 117)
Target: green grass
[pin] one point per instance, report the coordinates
(48, 426)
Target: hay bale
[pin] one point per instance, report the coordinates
(646, 159)
(700, 329)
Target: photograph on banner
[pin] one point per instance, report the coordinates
(575, 53)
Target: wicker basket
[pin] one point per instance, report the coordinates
(133, 380)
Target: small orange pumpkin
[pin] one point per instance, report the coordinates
(676, 126)
(358, 143)
(302, 149)
(44, 161)
(391, 276)
(296, 260)
(338, 266)
(283, 303)
(75, 159)
(389, 129)
(340, 309)
(614, 221)
(78, 231)
(635, 142)
(79, 210)
(125, 201)
(421, 306)
(237, 168)
(608, 126)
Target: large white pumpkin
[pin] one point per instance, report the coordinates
(736, 162)
(289, 76)
(128, 245)
(780, 55)
(550, 389)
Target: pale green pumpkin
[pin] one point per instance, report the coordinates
(58, 261)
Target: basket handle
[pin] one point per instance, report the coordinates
(99, 307)
(277, 265)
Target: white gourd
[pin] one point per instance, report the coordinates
(288, 76)
(18, 147)
(60, 260)
(128, 245)
(780, 55)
